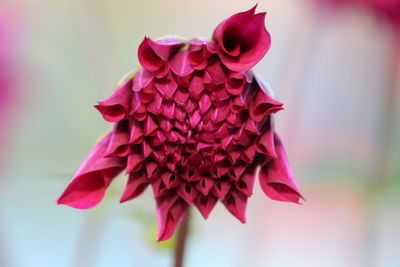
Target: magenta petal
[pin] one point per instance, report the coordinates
(148, 58)
(90, 182)
(165, 47)
(236, 203)
(181, 95)
(167, 86)
(276, 178)
(196, 85)
(116, 107)
(136, 136)
(221, 189)
(180, 64)
(142, 79)
(242, 40)
(205, 185)
(119, 141)
(171, 210)
(135, 161)
(155, 106)
(137, 184)
(246, 182)
(262, 104)
(150, 126)
(205, 204)
(265, 143)
(187, 192)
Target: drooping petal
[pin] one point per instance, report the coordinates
(242, 40)
(171, 210)
(276, 178)
(90, 182)
(116, 107)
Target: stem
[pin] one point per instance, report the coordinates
(182, 235)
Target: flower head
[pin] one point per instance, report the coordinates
(195, 124)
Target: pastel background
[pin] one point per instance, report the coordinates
(329, 68)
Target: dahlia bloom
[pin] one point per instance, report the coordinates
(195, 124)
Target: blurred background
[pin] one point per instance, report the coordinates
(334, 68)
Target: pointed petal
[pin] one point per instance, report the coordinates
(116, 107)
(137, 184)
(90, 182)
(205, 204)
(236, 203)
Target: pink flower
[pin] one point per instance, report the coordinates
(388, 10)
(195, 124)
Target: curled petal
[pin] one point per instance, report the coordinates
(236, 203)
(137, 184)
(116, 107)
(246, 182)
(171, 210)
(90, 182)
(135, 160)
(262, 104)
(119, 141)
(276, 178)
(205, 204)
(242, 40)
(265, 144)
(136, 136)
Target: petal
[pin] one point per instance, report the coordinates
(171, 210)
(119, 141)
(236, 203)
(90, 182)
(136, 132)
(221, 189)
(187, 192)
(167, 86)
(242, 40)
(116, 107)
(137, 184)
(205, 204)
(262, 104)
(246, 182)
(148, 58)
(265, 144)
(180, 64)
(276, 178)
(142, 79)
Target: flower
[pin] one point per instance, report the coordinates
(388, 10)
(195, 124)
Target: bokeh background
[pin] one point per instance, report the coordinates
(332, 69)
